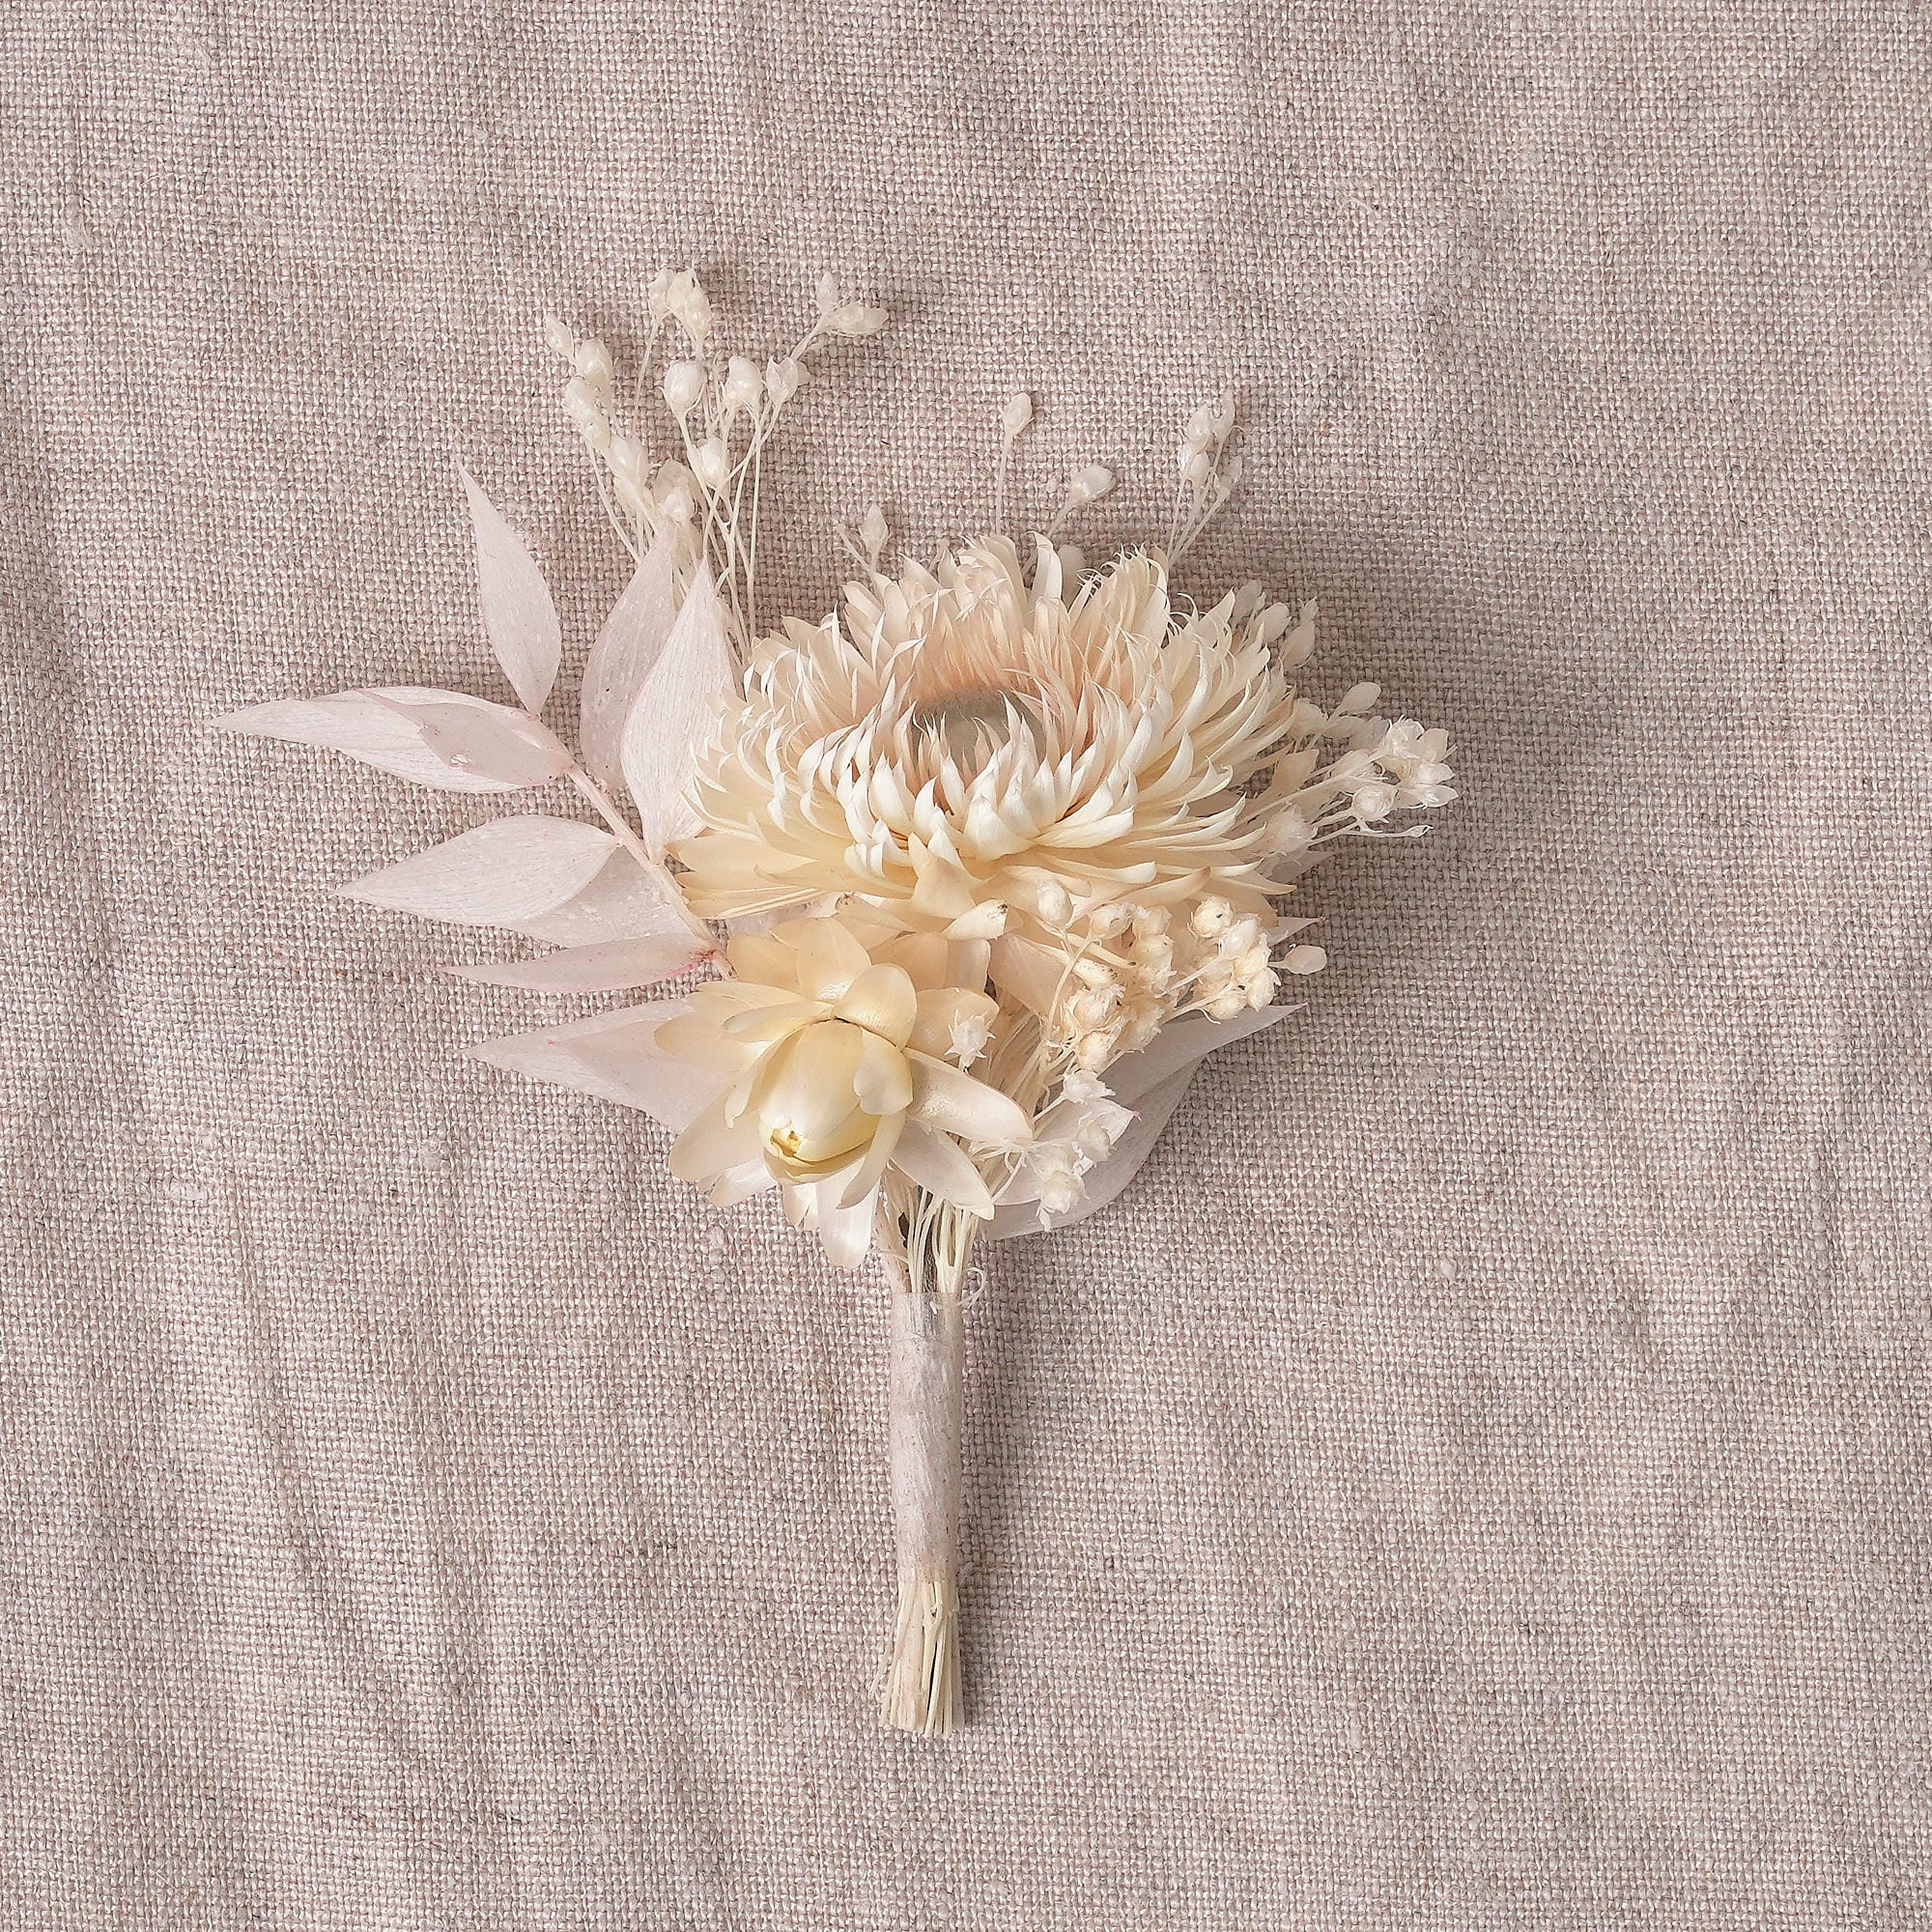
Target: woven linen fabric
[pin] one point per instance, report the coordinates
(1476, 1479)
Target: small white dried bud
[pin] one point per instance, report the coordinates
(657, 295)
(713, 464)
(1196, 467)
(625, 458)
(558, 337)
(1053, 903)
(1094, 972)
(686, 300)
(1289, 831)
(1226, 1006)
(592, 362)
(1271, 624)
(873, 534)
(968, 1037)
(1299, 643)
(1096, 1049)
(1059, 1191)
(1109, 919)
(1089, 485)
(683, 387)
(1303, 960)
(1015, 416)
(1252, 963)
(1094, 1008)
(1262, 990)
(855, 318)
(744, 385)
(1073, 563)
(782, 381)
(1239, 937)
(1211, 916)
(1373, 803)
(1359, 697)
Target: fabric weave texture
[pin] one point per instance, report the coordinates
(1476, 1479)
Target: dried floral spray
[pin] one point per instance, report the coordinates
(953, 888)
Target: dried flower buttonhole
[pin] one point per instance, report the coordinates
(958, 884)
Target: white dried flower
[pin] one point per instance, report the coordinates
(830, 1049)
(592, 362)
(744, 386)
(683, 388)
(712, 463)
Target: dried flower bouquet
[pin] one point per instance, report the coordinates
(951, 889)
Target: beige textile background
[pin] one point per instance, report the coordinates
(1476, 1480)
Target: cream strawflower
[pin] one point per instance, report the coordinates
(970, 741)
(837, 1063)
(988, 756)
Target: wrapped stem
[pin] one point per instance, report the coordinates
(926, 1247)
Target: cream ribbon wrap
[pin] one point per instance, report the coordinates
(925, 1411)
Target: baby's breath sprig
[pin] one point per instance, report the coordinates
(723, 410)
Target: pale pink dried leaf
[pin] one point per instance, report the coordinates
(613, 1055)
(621, 901)
(501, 744)
(673, 714)
(385, 727)
(518, 614)
(627, 648)
(499, 874)
(610, 966)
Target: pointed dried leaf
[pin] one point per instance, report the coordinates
(627, 648)
(673, 714)
(503, 873)
(518, 613)
(496, 743)
(621, 901)
(614, 1057)
(444, 739)
(610, 966)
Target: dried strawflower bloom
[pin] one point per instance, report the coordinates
(838, 1067)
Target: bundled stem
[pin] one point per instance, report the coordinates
(927, 1245)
